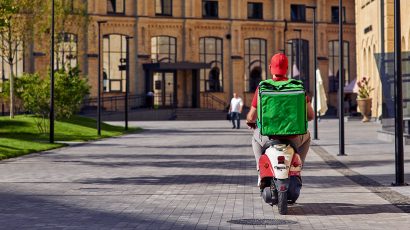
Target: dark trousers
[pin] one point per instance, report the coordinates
(235, 116)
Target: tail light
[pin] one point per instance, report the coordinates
(281, 159)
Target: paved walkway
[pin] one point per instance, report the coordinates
(198, 175)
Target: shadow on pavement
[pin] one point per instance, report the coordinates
(39, 212)
(158, 156)
(174, 180)
(318, 165)
(200, 132)
(166, 164)
(330, 209)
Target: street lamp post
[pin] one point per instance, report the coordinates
(399, 161)
(99, 79)
(315, 129)
(52, 76)
(299, 57)
(127, 80)
(341, 84)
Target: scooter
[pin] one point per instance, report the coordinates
(280, 172)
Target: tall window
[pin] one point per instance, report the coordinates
(210, 51)
(209, 9)
(66, 51)
(335, 14)
(115, 6)
(298, 55)
(18, 62)
(163, 7)
(255, 10)
(114, 56)
(255, 63)
(163, 49)
(298, 12)
(334, 64)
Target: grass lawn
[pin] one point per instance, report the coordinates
(20, 136)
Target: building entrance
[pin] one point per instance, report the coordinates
(161, 78)
(164, 89)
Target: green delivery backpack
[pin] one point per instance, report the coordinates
(282, 108)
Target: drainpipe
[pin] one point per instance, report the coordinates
(183, 30)
(229, 38)
(135, 54)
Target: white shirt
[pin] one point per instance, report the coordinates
(236, 104)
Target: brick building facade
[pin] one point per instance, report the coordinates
(188, 50)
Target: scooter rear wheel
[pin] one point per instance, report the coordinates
(282, 202)
(267, 195)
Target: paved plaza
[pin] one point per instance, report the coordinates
(201, 175)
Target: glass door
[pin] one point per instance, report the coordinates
(164, 89)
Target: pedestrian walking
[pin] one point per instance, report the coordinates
(235, 110)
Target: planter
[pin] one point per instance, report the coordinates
(365, 107)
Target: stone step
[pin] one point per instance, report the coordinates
(199, 114)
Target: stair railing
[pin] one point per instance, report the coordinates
(210, 101)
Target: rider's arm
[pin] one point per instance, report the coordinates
(251, 116)
(310, 112)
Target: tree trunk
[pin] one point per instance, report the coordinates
(11, 91)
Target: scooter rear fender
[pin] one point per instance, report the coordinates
(265, 167)
(282, 185)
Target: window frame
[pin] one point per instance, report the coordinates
(301, 18)
(122, 55)
(305, 62)
(249, 65)
(204, 2)
(62, 36)
(333, 85)
(251, 15)
(162, 8)
(115, 10)
(215, 63)
(337, 20)
(172, 56)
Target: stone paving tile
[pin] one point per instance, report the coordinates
(176, 175)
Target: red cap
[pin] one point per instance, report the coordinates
(279, 64)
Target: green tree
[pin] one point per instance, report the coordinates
(69, 16)
(70, 90)
(17, 20)
(25, 21)
(34, 92)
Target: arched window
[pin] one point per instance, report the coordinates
(163, 49)
(297, 52)
(66, 51)
(18, 60)
(255, 62)
(334, 64)
(210, 51)
(114, 55)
